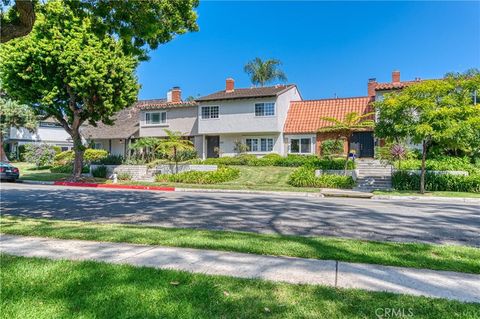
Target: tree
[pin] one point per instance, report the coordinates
(15, 115)
(141, 25)
(145, 147)
(352, 122)
(62, 69)
(173, 145)
(439, 111)
(263, 72)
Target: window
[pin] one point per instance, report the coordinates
(64, 148)
(264, 109)
(301, 145)
(209, 112)
(259, 144)
(152, 118)
(97, 146)
(49, 124)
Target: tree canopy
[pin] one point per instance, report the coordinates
(141, 25)
(263, 72)
(441, 111)
(63, 69)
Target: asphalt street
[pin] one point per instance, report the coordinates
(393, 220)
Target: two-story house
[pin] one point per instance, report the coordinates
(251, 116)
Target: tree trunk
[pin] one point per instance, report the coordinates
(3, 155)
(79, 149)
(422, 175)
(175, 159)
(348, 153)
(23, 25)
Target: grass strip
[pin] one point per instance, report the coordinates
(40, 288)
(415, 255)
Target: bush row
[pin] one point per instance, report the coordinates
(446, 163)
(277, 160)
(223, 174)
(305, 177)
(402, 180)
(90, 156)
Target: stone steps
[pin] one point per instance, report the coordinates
(373, 175)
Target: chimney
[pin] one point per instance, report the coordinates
(174, 95)
(229, 85)
(372, 84)
(396, 77)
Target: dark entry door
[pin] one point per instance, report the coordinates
(364, 143)
(213, 143)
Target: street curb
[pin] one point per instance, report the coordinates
(239, 191)
(116, 186)
(429, 198)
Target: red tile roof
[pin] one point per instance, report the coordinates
(162, 104)
(306, 116)
(394, 85)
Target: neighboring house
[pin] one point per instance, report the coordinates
(114, 138)
(305, 118)
(173, 114)
(251, 116)
(48, 131)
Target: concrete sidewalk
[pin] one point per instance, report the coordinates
(441, 284)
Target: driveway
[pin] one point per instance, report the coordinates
(392, 220)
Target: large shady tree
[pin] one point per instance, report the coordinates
(441, 111)
(351, 123)
(139, 24)
(62, 69)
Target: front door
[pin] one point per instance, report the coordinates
(213, 145)
(363, 143)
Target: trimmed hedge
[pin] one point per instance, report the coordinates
(446, 163)
(90, 155)
(223, 174)
(403, 180)
(305, 177)
(67, 169)
(287, 161)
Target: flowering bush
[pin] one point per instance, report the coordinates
(40, 154)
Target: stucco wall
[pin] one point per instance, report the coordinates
(182, 119)
(227, 143)
(49, 135)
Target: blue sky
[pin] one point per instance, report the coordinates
(327, 48)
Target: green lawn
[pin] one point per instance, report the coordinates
(427, 194)
(29, 171)
(439, 257)
(262, 178)
(40, 288)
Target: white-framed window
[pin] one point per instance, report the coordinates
(260, 144)
(209, 112)
(264, 109)
(153, 118)
(301, 145)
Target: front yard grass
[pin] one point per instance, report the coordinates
(428, 194)
(40, 288)
(262, 178)
(416, 255)
(29, 171)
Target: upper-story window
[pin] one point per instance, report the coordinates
(264, 109)
(49, 124)
(152, 118)
(209, 112)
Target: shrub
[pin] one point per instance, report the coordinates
(305, 177)
(67, 169)
(445, 163)
(125, 176)
(92, 155)
(109, 160)
(187, 155)
(57, 149)
(223, 174)
(100, 172)
(21, 152)
(64, 157)
(332, 147)
(403, 180)
(40, 154)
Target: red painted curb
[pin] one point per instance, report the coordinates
(116, 186)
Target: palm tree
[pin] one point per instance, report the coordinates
(173, 144)
(351, 123)
(262, 72)
(145, 147)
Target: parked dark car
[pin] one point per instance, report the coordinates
(9, 172)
